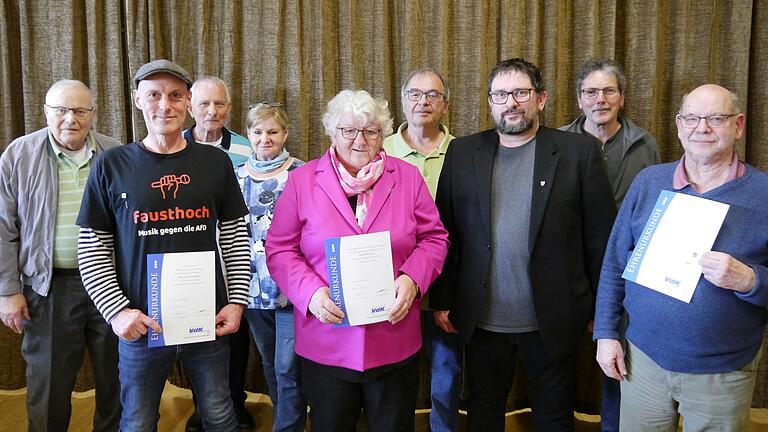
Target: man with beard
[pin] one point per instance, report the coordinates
(528, 210)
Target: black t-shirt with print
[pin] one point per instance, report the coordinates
(160, 203)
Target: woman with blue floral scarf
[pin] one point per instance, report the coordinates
(269, 313)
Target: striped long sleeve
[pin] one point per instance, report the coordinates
(97, 269)
(235, 251)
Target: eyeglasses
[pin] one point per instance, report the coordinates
(414, 95)
(351, 133)
(500, 97)
(608, 92)
(267, 103)
(714, 121)
(61, 111)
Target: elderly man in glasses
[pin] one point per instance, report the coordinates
(422, 141)
(210, 108)
(694, 359)
(627, 148)
(42, 177)
(528, 210)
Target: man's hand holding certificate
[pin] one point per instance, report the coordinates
(678, 232)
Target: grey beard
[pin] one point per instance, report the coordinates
(503, 126)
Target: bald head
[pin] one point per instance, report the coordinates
(712, 92)
(709, 124)
(69, 86)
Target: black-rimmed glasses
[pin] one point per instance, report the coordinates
(500, 97)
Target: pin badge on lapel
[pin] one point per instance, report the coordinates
(542, 183)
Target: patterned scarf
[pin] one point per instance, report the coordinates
(361, 184)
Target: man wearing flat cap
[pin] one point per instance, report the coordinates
(165, 197)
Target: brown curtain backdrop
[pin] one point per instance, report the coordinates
(301, 53)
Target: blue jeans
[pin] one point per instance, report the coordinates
(442, 351)
(272, 331)
(143, 372)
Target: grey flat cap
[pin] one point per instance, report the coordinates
(158, 66)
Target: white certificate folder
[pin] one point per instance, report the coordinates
(360, 277)
(666, 256)
(181, 297)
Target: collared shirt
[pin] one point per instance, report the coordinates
(680, 178)
(72, 178)
(429, 165)
(237, 146)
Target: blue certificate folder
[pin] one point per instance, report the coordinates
(333, 261)
(154, 276)
(636, 259)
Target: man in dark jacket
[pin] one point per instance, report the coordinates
(528, 210)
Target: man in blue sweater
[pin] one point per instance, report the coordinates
(695, 359)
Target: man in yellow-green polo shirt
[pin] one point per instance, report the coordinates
(422, 141)
(42, 178)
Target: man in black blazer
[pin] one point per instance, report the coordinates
(529, 210)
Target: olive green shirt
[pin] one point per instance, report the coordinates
(430, 165)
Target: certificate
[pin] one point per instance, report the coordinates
(181, 294)
(360, 277)
(666, 257)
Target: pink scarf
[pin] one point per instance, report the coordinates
(360, 185)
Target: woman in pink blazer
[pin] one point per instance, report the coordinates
(356, 189)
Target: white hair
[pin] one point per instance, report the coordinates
(363, 106)
(209, 79)
(68, 83)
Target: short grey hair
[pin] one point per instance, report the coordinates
(362, 105)
(604, 65)
(210, 79)
(425, 70)
(65, 83)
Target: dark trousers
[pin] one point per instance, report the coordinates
(62, 325)
(611, 402)
(388, 401)
(239, 347)
(609, 413)
(551, 383)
